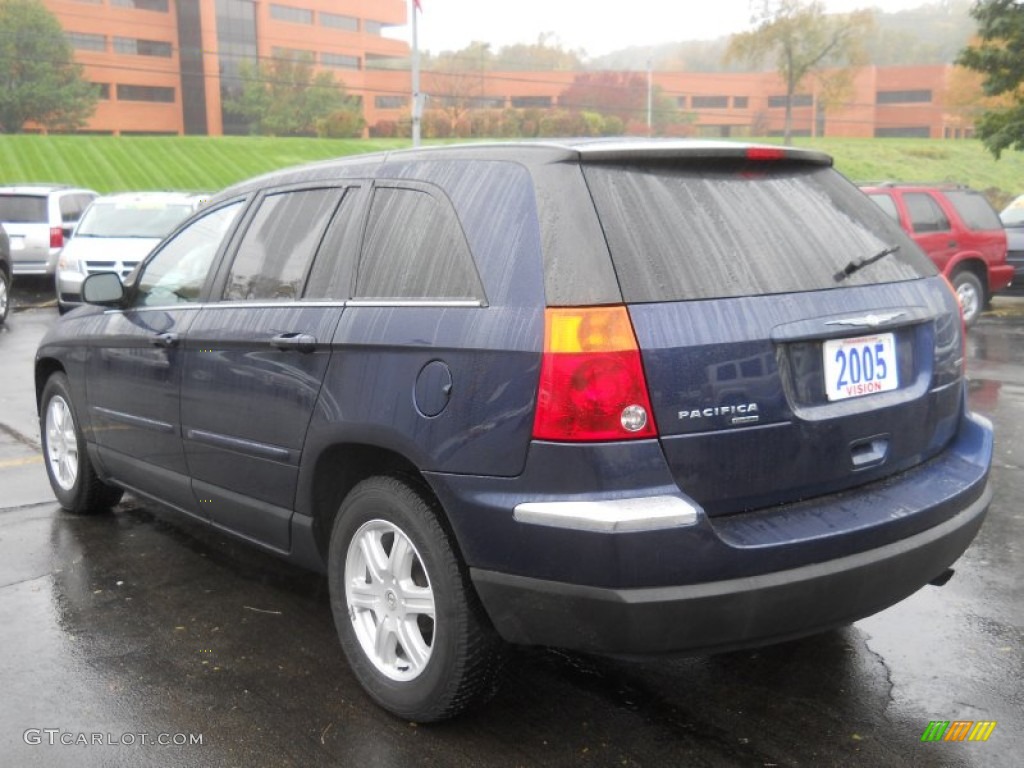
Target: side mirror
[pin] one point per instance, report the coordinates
(104, 289)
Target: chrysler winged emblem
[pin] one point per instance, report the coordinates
(872, 320)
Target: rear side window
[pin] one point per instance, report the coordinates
(974, 209)
(720, 228)
(71, 207)
(925, 213)
(23, 209)
(275, 254)
(414, 248)
(887, 204)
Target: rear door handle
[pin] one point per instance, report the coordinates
(164, 339)
(299, 342)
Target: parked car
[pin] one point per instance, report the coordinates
(38, 219)
(617, 397)
(1013, 219)
(5, 274)
(114, 234)
(958, 228)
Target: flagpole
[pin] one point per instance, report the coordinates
(416, 99)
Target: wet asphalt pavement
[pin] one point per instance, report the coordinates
(142, 631)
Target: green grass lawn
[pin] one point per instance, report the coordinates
(112, 164)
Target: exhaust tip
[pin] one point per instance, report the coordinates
(942, 578)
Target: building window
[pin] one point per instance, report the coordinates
(681, 102)
(294, 15)
(740, 102)
(103, 90)
(337, 21)
(85, 41)
(524, 102)
(710, 102)
(799, 100)
(154, 93)
(375, 28)
(135, 47)
(391, 102)
(922, 96)
(904, 132)
(340, 61)
(295, 54)
(142, 5)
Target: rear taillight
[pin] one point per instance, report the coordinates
(56, 237)
(963, 325)
(592, 384)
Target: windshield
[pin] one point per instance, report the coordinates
(1013, 214)
(133, 219)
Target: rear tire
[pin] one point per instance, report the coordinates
(5, 296)
(408, 619)
(72, 476)
(970, 293)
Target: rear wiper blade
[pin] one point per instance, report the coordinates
(853, 266)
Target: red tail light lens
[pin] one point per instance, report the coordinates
(592, 384)
(963, 326)
(765, 153)
(56, 237)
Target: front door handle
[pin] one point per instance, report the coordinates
(299, 342)
(164, 339)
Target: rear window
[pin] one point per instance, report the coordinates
(23, 209)
(131, 219)
(974, 209)
(718, 229)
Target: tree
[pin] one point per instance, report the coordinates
(998, 57)
(39, 79)
(285, 98)
(802, 40)
(622, 95)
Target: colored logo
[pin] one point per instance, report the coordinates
(958, 730)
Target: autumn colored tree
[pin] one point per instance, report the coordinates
(619, 94)
(998, 57)
(802, 40)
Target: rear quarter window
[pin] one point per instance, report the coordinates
(725, 228)
(974, 209)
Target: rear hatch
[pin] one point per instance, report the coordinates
(25, 218)
(794, 340)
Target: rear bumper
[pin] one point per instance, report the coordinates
(729, 614)
(1000, 277)
(553, 568)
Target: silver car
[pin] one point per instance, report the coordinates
(1013, 220)
(39, 219)
(115, 233)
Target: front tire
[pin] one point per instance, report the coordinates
(72, 476)
(970, 293)
(409, 622)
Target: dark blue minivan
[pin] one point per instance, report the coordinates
(614, 396)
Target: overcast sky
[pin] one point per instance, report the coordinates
(596, 26)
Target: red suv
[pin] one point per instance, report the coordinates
(959, 231)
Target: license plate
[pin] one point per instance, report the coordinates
(861, 366)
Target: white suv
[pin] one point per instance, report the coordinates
(38, 219)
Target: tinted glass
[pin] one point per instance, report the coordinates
(414, 248)
(925, 213)
(887, 204)
(974, 209)
(23, 209)
(334, 267)
(177, 272)
(721, 229)
(277, 249)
